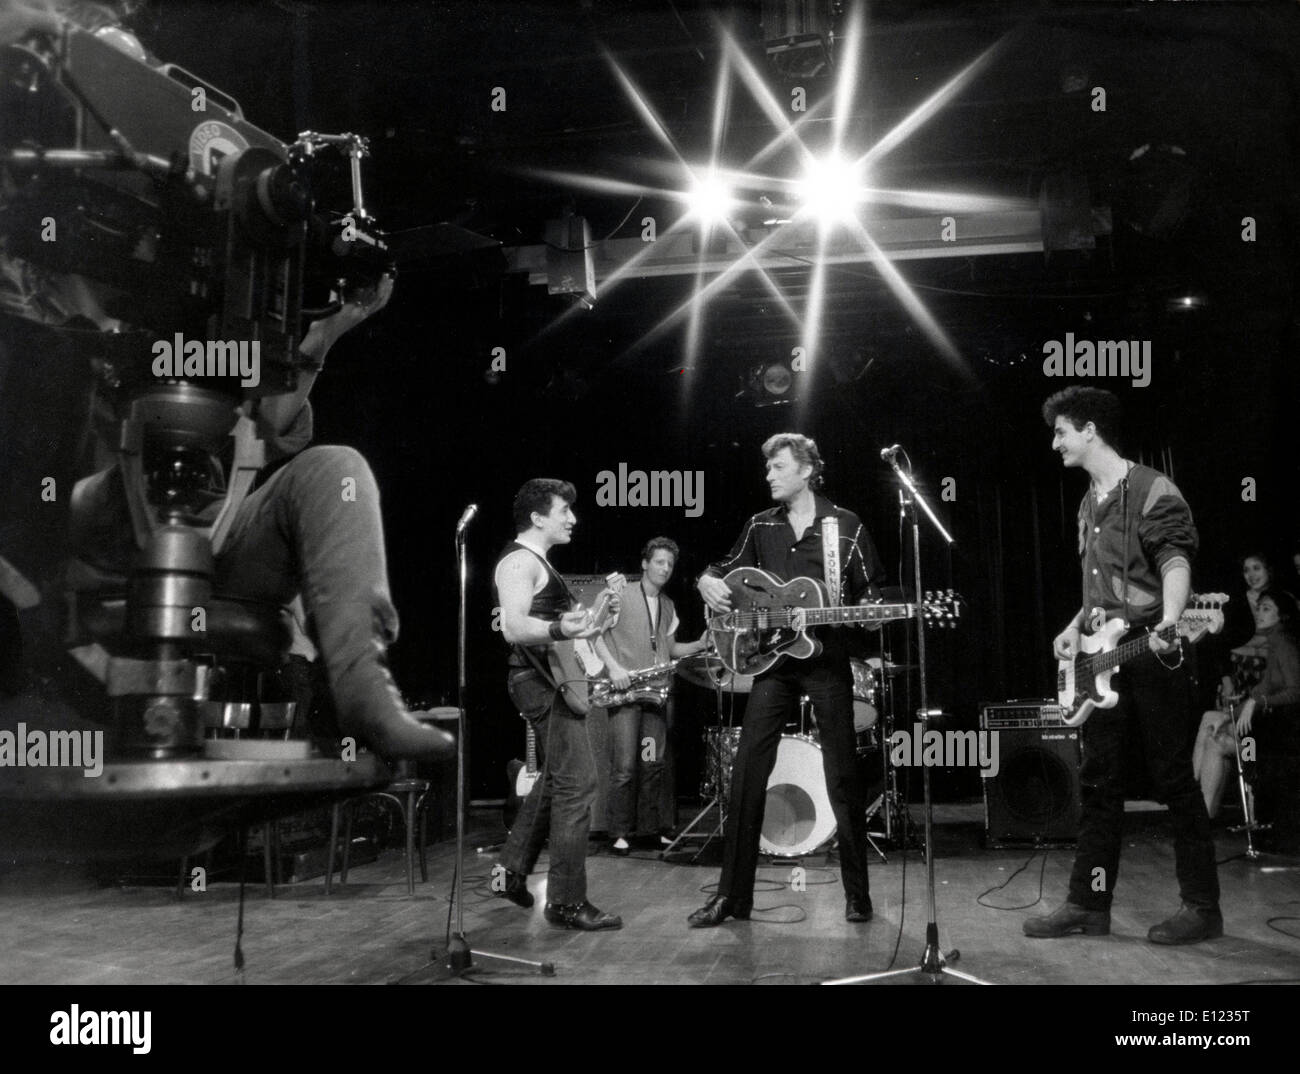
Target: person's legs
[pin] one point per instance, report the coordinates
(624, 729)
(315, 527)
(1212, 758)
(1101, 826)
(831, 690)
(652, 753)
(571, 767)
(774, 697)
(533, 821)
(1162, 700)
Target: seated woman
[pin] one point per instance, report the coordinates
(1271, 713)
(1216, 741)
(1243, 668)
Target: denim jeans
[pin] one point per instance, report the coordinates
(314, 527)
(828, 681)
(558, 806)
(1155, 706)
(638, 740)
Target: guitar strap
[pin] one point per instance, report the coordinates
(831, 556)
(1123, 508)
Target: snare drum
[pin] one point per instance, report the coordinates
(797, 818)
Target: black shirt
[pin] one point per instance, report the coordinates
(768, 542)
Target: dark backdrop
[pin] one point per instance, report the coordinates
(410, 389)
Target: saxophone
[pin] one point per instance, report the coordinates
(649, 685)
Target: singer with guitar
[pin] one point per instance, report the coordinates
(1136, 541)
(538, 614)
(789, 541)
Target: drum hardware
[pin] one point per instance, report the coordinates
(703, 671)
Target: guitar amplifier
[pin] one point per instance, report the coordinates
(1035, 797)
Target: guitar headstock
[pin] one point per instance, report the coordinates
(940, 608)
(599, 614)
(1203, 615)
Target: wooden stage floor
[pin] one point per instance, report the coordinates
(59, 927)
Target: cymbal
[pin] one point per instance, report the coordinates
(708, 672)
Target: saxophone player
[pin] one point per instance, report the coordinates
(643, 636)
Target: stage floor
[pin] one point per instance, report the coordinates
(57, 926)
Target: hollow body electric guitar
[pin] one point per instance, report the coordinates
(770, 619)
(1083, 684)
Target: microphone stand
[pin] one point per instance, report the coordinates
(933, 963)
(459, 956)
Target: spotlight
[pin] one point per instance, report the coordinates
(709, 200)
(768, 384)
(830, 190)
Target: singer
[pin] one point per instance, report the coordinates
(791, 541)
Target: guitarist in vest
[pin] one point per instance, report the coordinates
(1136, 540)
(786, 541)
(536, 612)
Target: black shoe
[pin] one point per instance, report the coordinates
(516, 890)
(858, 909)
(718, 909)
(1069, 919)
(581, 916)
(1189, 925)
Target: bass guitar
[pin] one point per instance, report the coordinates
(1083, 683)
(770, 619)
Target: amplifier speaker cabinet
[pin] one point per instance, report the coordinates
(1034, 798)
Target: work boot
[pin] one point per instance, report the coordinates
(1067, 920)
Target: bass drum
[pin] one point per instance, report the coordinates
(797, 818)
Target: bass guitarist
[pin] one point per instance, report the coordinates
(537, 613)
(1136, 540)
(787, 541)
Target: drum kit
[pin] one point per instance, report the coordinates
(797, 818)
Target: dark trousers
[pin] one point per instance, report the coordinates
(1155, 716)
(828, 682)
(559, 805)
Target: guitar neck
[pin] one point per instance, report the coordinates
(836, 616)
(1129, 650)
(530, 757)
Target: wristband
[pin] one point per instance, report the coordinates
(556, 631)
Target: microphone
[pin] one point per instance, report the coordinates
(466, 518)
(888, 453)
